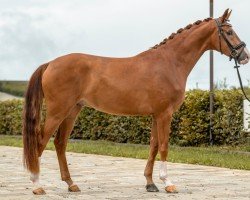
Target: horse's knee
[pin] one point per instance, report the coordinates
(163, 146)
(153, 143)
(155, 147)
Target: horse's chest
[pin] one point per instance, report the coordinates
(170, 97)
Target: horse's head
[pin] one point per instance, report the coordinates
(229, 43)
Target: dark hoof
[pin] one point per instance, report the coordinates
(151, 188)
(74, 188)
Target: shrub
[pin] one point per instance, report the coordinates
(95, 125)
(190, 125)
(228, 117)
(16, 88)
(194, 119)
(11, 117)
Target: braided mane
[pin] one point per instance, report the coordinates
(180, 31)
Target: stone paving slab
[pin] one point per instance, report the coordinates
(106, 177)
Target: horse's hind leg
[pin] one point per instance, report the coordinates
(60, 142)
(51, 124)
(55, 115)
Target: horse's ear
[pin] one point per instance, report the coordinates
(226, 15)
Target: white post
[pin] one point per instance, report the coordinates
(246, 115)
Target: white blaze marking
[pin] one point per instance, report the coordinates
(163, 174)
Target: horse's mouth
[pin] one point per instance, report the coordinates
(244, 57)
(245, 61)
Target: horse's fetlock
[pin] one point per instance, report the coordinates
(66, 178)
(148, 174)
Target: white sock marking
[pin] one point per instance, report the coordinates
(163, 174)
(35, 178)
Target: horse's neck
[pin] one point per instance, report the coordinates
(186, 48)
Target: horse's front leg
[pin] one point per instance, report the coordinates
(163, 129)
(151, 187)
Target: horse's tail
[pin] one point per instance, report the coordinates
(31, 120)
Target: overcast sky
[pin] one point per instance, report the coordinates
(33, 32)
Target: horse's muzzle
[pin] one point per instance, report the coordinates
(244, 57)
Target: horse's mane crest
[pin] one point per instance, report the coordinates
(179, 31)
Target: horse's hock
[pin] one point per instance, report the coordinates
(105, 177)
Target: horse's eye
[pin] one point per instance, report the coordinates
(230, 32)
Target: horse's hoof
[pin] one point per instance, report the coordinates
(74, 188)
(171, 189)
(39, 191)
(151, 188)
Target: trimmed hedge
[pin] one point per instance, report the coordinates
(11, 117)
(16, 88)
(190, 125)
(191, 122)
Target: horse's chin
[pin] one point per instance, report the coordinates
(245, 57)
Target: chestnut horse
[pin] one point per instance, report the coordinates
(150, 83)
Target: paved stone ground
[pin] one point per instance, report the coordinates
(105, 177)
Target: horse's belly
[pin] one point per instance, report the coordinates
(120, 103)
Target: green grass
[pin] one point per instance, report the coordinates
(229, 157)
(16, 88)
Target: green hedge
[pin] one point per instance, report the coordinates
(16, 88)
(11, 117)
(191, 122)
(190, 125)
